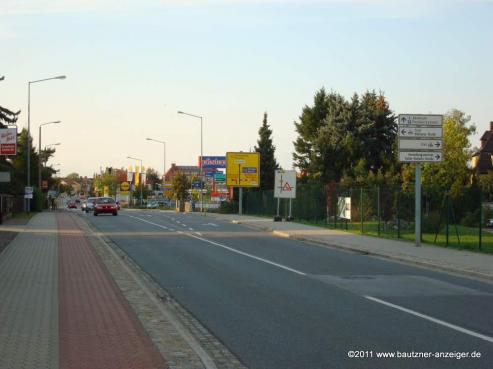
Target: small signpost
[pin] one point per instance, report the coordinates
(420, 141)
(28, 192)
(284, 188)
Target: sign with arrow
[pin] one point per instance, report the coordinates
(420, 138)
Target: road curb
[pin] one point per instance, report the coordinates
(409, 261)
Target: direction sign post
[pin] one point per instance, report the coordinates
(420, 141)
(242, 170)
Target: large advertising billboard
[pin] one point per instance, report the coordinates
(8, 141)
(243, 169)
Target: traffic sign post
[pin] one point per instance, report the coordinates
(242, 170)
(284, 188)
(420, 141)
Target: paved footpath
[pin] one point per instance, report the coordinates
(457, 261)
(60, 308)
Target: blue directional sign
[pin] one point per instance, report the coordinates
(249, 170)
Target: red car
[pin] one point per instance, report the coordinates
(72, 205)
(105, 205)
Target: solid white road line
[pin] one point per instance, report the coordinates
(227, 248)
(431, 319)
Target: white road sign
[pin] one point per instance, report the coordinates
(420, 138)
(423, 120)
(285, 184)
(420, 144)
(424, 132)
(420, 156)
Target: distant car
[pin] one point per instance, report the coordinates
(105, 205)
(152, 205)
(489, 223)
(72, 205)
(90, 204)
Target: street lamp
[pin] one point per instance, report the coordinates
(201, 155)
(140, 178)
(46, 148)
(29, 131)
(164, 153)
(39, 150)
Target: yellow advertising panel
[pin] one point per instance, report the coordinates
(124, 186)
(137, 175)
(243, 169)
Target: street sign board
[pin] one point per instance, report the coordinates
(422, 120)
(219, 177)
(124, 186)
(421, 132)
(44, 185)
(420, 156)
(8, 141)
(243, 169)
(285, 184)
(28, 190)
(420, 138)
(420, 144)
(196, 184)
(4, 176)
(209, 162)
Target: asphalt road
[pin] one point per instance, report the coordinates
(283, 304)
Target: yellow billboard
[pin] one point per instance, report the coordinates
(243, 169)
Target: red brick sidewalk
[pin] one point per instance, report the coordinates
(98, 329)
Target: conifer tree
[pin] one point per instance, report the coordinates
(268, 163)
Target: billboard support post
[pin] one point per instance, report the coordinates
(240, 205)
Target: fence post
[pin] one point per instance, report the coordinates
(335, 199)
(378, 208)
(447, 219)
(480, 218)
(399, 213)
(361, 207)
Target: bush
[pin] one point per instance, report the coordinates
(228, 207)
(471, 219)
(431, 222)
(39, 200)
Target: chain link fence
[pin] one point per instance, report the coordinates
(460, 220)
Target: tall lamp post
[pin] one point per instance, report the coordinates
(39, 150)
(140, 178)
(164, 153)
(46, 148)
(29, 131)
(201, 156)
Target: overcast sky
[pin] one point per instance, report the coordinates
(131, 65)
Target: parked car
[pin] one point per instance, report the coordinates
(72, 205)
(105, 205)
(152, 205)
(90, 204)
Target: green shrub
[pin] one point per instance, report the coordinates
(431, 222)
(228, 207)
(471, 219)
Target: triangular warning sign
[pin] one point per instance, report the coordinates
(286, 187)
